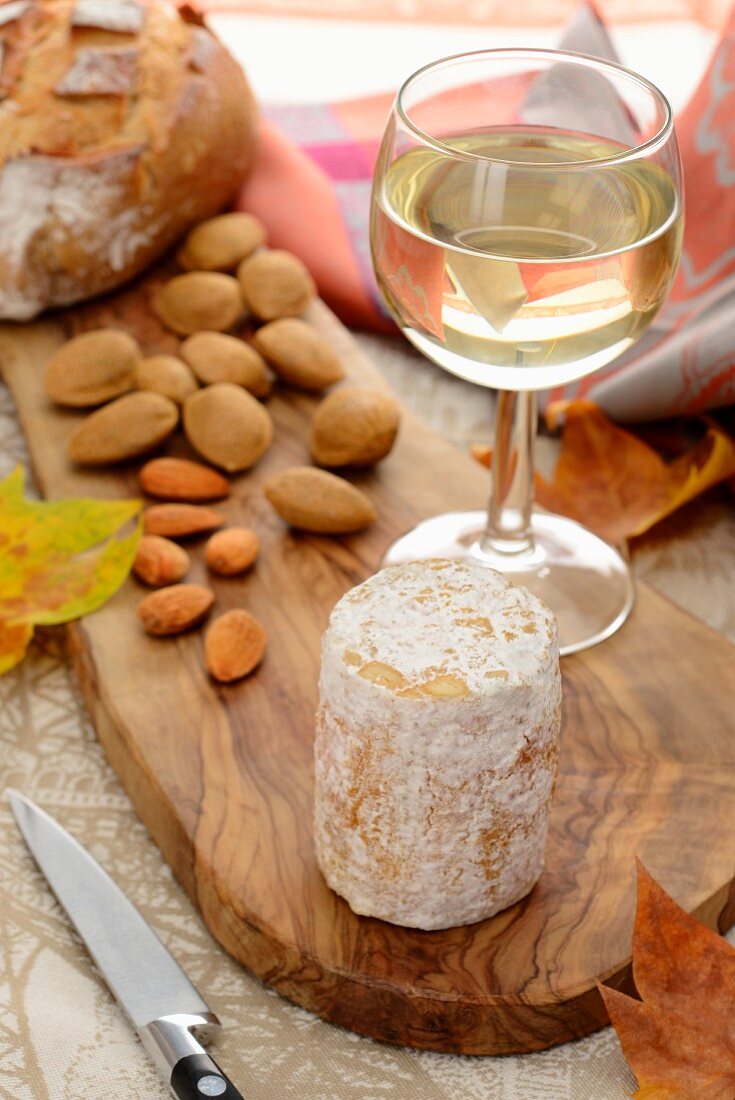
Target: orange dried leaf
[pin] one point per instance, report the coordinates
(482, 454)
(614, 483)
(680, 1038)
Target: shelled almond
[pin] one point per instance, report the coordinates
(232, 551)
(179, 479)
(159, 561)
(179, 521)
(175, 609)
(234, 645)
(92, 368)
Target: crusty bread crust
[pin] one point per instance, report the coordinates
(112, 143)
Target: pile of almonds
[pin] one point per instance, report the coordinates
(214, 388)
(235, 643)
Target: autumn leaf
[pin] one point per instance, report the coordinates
(14, 641)
(58, 560)
(680, 1038)
(612, 482)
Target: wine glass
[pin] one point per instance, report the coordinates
(526, 226)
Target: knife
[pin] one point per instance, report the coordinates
(163, 1006)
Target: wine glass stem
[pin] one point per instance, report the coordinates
(508, 528)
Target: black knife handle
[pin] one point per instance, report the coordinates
(198, 1076)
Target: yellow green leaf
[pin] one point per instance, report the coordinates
(58, 560)
(14, 641)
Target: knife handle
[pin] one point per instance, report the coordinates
(182, 1061)
(198, 1076)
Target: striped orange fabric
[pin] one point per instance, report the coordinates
(541, 13)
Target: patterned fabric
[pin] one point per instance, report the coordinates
(318, 160)
(481, 12)
(62, 1037)
(686, 362)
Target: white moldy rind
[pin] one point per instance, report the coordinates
(436, 744)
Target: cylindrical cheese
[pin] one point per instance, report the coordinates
(436, 744)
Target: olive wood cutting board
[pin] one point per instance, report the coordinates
(222, 776)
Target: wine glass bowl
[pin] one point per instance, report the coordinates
(525, 230)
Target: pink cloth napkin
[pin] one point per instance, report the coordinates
(311, 186)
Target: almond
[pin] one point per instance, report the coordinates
(92, 368)
(180, 479)
(219, 244)
(199, 300)
(216, 357)
(227, 426)
(234, 645)
(232, 551)
(275, 283)
(178, 521)
(129, 426)
(159, 561)
(314, 500)
(167, 375)
(299, 354)
(174, 609)
(354, 426)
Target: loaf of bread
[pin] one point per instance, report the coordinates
(436, 744)
(121, 124)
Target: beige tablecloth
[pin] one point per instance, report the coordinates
(61, 1035)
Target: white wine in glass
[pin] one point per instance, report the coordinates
(521, 256)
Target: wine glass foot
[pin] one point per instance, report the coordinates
(585, 582)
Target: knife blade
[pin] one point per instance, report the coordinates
(161, 1003)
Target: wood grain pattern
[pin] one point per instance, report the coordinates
(222, 776)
